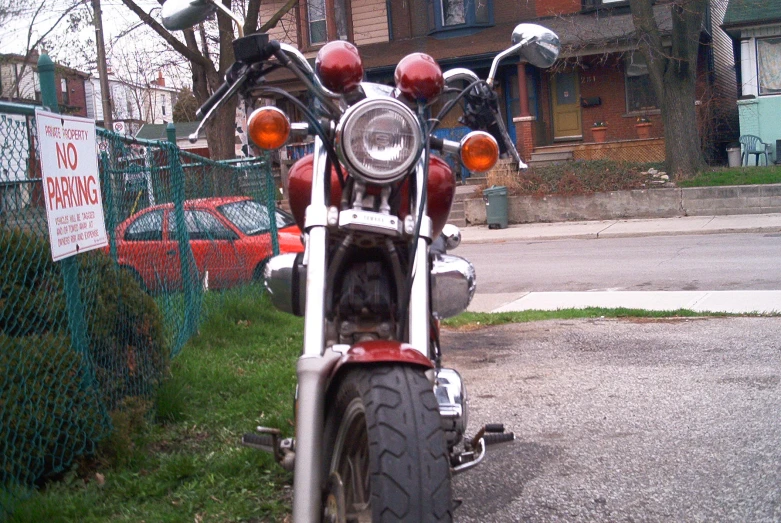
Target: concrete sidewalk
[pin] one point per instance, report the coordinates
(737, 302)
(625, 228)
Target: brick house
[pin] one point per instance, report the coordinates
(20, 187)
(599, 76)
(756, 31)
(20, 84)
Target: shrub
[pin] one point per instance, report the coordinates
(49, 409)
(55, 399)
(573, 178)
(127, 342)
(31, 297)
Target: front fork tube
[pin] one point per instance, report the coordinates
(418, 319)
(312, 368)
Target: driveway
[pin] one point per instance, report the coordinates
(625, 420)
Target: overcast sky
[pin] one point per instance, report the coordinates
(116, 17)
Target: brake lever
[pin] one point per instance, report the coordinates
(508, 141)
(228, 94)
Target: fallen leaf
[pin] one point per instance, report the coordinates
(101, 479)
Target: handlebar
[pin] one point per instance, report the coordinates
(212, 100)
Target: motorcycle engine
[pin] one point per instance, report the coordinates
(364, 307)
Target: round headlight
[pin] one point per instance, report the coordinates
(379, 139)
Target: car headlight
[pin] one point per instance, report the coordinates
(379, 139)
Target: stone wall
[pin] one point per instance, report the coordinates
(647, 203)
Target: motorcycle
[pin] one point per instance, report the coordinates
(380, 424)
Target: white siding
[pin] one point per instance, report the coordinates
(89, 94)
(159, 105)
(286, 29)
(370, 21)
(759, 32)
(7, 80)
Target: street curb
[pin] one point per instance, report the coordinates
(604, 234)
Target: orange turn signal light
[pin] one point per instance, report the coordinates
(479, 151)
(268, 127)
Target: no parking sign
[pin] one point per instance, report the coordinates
(71, 183)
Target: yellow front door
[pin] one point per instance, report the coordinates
(566, 106)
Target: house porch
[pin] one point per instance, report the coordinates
(635, 150)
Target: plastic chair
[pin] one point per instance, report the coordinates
(752, 145)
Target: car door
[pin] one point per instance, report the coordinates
(212, 245)
(144, 249)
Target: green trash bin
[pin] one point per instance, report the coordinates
(496, 206)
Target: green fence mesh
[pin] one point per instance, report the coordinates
(81, 336)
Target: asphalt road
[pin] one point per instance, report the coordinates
(625, 420)
(656, 263)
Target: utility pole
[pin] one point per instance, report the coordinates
(105, 94)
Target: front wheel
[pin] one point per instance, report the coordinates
(385, 453)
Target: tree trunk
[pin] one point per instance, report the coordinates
(681, 136)
(673, 73)
(221, 132)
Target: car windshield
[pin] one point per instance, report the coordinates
(251, 217)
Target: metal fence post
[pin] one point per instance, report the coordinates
(170, 132)
(192, 308)
(68, 267)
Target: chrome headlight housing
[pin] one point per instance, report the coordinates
(379, 139)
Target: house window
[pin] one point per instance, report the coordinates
(326, 22)
(451, 14)
(640, 95)
(64, 89)
(318, 31)
(769, 64)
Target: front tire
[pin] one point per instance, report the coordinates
(384, 440)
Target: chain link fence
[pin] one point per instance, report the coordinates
(80, 337)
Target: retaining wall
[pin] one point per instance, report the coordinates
(646, 203)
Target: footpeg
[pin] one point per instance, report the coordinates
(474, 449)
(268, 440)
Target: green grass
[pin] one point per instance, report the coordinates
(187, 464)
(470, 320)
(734, 176)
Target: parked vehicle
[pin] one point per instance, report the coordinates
(379, 423)
(229, 238)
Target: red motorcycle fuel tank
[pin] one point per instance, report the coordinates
(441, 191)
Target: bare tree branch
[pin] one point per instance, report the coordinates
(168, 37)
(32, 46)
(272, 22)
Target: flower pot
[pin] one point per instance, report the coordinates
(643, 129)
(599, 133)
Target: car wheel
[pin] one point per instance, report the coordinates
(258, 273)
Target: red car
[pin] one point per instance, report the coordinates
(229, 238)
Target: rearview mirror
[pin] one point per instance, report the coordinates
(542, 44)
(181, 14)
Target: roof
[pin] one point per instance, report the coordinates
(580, 34)
(591, 33)
(157, 131)
(752, 12)
(32, 61)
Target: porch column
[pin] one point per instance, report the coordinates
(524, 124)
